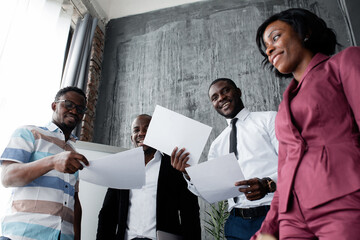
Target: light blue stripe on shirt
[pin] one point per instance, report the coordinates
(53, 182)
(37, 232)
(16, 154)
(24, 133)
(66, 237)
(40, 155)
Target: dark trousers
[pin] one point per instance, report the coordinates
(4, 238)
(238, 228)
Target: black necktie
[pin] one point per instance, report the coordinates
(233, 142)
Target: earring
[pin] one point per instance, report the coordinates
(306, 39)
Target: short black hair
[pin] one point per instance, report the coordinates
(144, 115)
(64, 90)
(228, 80)
(321, 39)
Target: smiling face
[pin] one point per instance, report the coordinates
(64, 118)
(138, 131)
(285, 49)
(226, 99)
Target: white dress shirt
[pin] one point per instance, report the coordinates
(142, 206)
(257, 149)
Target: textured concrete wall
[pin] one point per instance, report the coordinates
(169, 57)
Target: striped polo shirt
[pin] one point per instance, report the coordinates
(45, 207)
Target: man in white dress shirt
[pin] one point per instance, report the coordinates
(164, 203)
(257, 153)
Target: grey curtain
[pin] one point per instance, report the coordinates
(77, 63)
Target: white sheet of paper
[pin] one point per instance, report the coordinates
(123, 170)
(215, 179)
(169, 129)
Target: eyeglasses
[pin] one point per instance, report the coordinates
(69, 105)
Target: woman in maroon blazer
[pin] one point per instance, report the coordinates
(317, 126)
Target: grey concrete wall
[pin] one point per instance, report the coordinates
(351, 10)
(169, 57)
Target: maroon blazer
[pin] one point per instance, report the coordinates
(317, 126)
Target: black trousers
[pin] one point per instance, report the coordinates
(4, 238)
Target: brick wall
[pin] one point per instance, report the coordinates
(94, 76)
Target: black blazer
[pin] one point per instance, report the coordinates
(174, 203)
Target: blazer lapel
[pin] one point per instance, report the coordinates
(288, 95)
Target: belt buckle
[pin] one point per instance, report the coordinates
(242, 214)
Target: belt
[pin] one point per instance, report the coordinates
(249, 213)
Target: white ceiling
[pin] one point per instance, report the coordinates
(110, 9)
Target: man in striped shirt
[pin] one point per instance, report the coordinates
(41, 165)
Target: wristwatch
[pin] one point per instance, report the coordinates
(271, 185)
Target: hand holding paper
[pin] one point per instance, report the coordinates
(124, 170)
(254, 189)
(179, 159)
(215, 179)
(169, 129)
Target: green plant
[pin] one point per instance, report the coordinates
(217, 216)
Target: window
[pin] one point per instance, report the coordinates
(32, 46)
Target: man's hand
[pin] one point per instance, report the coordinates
(179, 159)
(254, 189)
(19, 174)
(69, 162)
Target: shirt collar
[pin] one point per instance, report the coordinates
(52, 127)
(242, 115)
(157, 157)
(55, 128)
(316, 60)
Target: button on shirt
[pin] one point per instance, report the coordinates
(45, 206)
(142, 207)
(257, 149)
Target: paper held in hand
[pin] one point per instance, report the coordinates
(123, 170)
(169, 129)
(215, 179)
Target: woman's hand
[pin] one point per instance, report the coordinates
(265, 237)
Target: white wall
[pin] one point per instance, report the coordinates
(92, 196)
